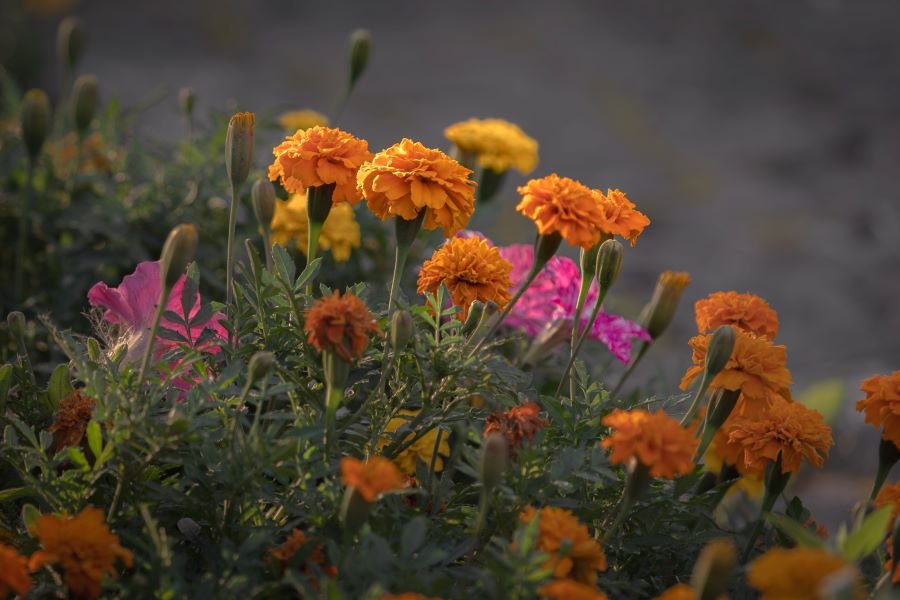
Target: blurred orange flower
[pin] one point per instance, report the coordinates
(681, 591)
(620, 215)
(656, 440)
(518, 424)
(14, 575)
(564, 206)
(72, 418)
(889, 496)
(797, 573)
(372, 477)
(294, 542)
(569, 589)
(744, 311)
(340, 324)
(882, 404)
(574, 553)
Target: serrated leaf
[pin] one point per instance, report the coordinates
(60, 386)
(825, 396)
(94, 439)
(284, 264)
(797, 532)
(868, 536)
(311, 270)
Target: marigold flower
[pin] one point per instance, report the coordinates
(656, 440)
(681, 591)
(658, 313)
(72, 418)
(422, 449)
(569, 589)
(497, 144)
(295, 541)
(796, 573)
(620, 215)
(83, 545)
(407, 178)
(301, 120)
(14, 575)
(882, 404)
(320, 156)
(340, 233)
(574, 553)
(889, 496)
(786, 427)
(471, 269)
(747, 312)
(371, 478)
(518, 424)
(564, 206)
(340, 324)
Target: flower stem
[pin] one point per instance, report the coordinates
(157, 317)
(312, 246)
(229, 254)
(576, 324)
(23, 232)
(267, 243)
(581, 338)
(334, 397)
(775, 484)
(400, 255)
(634, 362)
(535, 269)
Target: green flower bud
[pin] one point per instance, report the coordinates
(494, 460)
(720, 348)
(85, 98)
(177, 254)
(186, 100)
(260, 365)
(544, 248)
(587, 261)
(713, 569)
(720, 407)
(474, 316)
(263, 195)
(401, 330)
(70, 41)
(609, 263)
(16, 323)
(93, 350)
(35, 121)
(658, 313)
(239, 147)
(360, 47)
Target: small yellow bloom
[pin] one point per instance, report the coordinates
(340, 234)
(302, 120)
(423, 448)
(499, 145)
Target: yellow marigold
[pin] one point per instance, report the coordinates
(574, 553)
(656, 440)
(340, 234)
(320, 156)
(747, 312)
(882, 404)
(889, 496)
(72, 418)
(620, 215)
(797, 573)
(14, 575)
(682, 591)
(569, 589)
(372, 477)
(497, 144)
(790, 428)
(83, 545)
(422, 449)
(295, 541)
(340, 324)
(301, 120)
(564, 206)
(407, 178)
(471, 269)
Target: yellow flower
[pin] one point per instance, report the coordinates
(340, 234)
(301, 120)
(574, 553)
(498, 144)
(796, 573)
(422, 448)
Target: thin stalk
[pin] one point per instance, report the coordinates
(634, 362)
(334, 397)
(23, 232)
(267, 244)
(312, 248)
(157, 317)
(581, 338)
(768, 503)
(522, 289)
(400, 256)
(229, 254)
(576, 324)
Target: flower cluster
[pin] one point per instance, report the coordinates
(340, 233)
(499, 145)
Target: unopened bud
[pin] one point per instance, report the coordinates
(70, 41)
(494, 460)
(658, 313)
(713, 569)
(720, 348)
(401, 329)
(263, 195)
(544, 248)
(16, 323)
(93, 350)
(35, 121)
(720, 406)
(239, 147)
(474, 316)
(177, 254)
(186, 100)
(85, 98)
(360, 47)
(609, 263)
(260, 365)
(587, 261)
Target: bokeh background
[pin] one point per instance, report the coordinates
(762, 138)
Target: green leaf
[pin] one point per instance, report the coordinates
(308, 273)
(78, 457)
(797, 532)
(868, 536)
(413, 536)
(5, 383)
(13, 493)
(60, 385)
(30, 515)
(284, 264)
(825, 396)
(95, 439)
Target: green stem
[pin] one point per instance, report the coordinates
(634, 362)
(400, 256)
(267, 243)
(535, 269)
(312, 247)
(229, 254)
(581, 338)
(704, 384)
(335, 396)
(576, 324)
(148, 351)
(23, 232)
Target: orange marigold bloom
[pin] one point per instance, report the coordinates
(74, 414)
(294, 542)
(340, 324)
(682, 591)
(14, 575)
(564, 206)
(518, 424)
(797, 573)
(574, 553)
(747, 312)
(83, 545)
(656, 440)
(882, 404)
(889, 496)
(790, 428)
(569, 589)
(620, 215)
(372, 477)
(407, 178)
(320, 156)
(471, 269)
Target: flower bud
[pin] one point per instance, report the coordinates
(658, 313)
(93, 350)
(713, 569)
(263, 195)
(177, 254)
(587, 261)
(544, 248)
(260, 365)
(70, 41)
(85, 97)
(720, 407)
(16, 323)
(401, 329)
(186, 100)
(360, 46)
(239, 147)
(35, 121)
(474, 316)
(609, 263)
(719, 351)
(494, 460)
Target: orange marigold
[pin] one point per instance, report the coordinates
(294, 542)
(786, 427)
(372, 477)
(797, 573)
(407, 178)
(569, 589)
(564, 206)
(518, 424)
(471, 269)
(656, 440)
(620, 215)
(14, 575)
(747, 312)
(340, 324)
(574, 553)
(889, 496)
(83, 545)
(882, 404)
(74, 414)
(320, 156)
(681, 591)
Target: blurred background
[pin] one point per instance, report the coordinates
(761, 138)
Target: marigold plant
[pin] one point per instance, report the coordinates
(574, 553)
(564, 206)
(498, 145)
(569, 589)
(72, 418)
(747, 312)
(518, 424)
(295, 541)
(620, 215)
(424, 447)
(341, 324)
(656, 440)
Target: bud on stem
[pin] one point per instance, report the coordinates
(494, 461)
(358, 59)
(239, 147)
(609, 263)
(70, 42)
(658, 313)
(85, 99)
(260, 365)
(177, 253)
(401, 330)
(35, 122)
